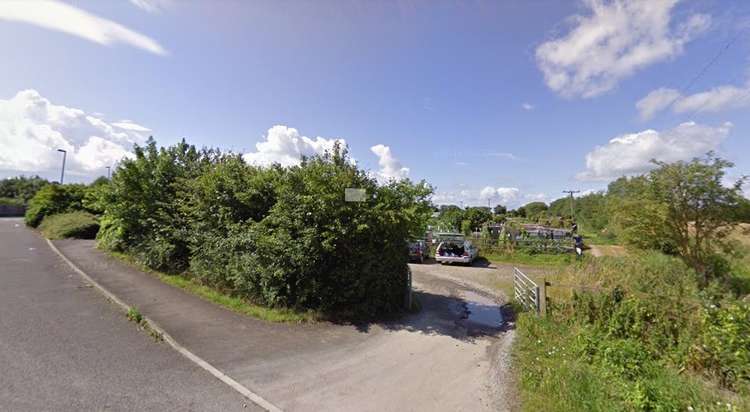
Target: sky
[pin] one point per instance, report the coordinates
(491, 102)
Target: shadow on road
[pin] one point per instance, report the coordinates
(461, 319)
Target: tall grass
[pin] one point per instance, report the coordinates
(635, 333)
(81, 225)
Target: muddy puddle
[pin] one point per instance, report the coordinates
(481, 310)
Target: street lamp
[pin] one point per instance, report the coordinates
(62, 172)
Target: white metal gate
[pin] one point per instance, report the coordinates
(528, 293)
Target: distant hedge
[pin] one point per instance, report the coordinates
(277, 236)
(53, 199)
(80, 225)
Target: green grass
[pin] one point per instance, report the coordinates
(81, 225)
(555, 375)
(233, 303)
(641, 338)
(552, 261)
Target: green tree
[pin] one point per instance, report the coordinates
(500, 210)
(21, 187)
(535, 210)
(687, 207)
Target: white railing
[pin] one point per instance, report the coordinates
(528, 293)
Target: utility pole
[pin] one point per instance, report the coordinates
(109, 171)
(571, 192)
(62, 172)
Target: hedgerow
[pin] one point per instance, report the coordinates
(282, 237)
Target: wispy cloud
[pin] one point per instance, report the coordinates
(713, 100)
(527, 106)
(611, 42)
(54, 15)
(152, 6)
(503, 155)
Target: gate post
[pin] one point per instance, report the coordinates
(543, 297)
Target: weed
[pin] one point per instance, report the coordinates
(134, 315)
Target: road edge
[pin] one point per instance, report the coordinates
(200, 362)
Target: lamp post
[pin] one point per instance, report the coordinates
(62, 171)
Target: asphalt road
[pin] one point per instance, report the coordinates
(64, 347)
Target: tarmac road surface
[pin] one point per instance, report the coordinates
(63, 347)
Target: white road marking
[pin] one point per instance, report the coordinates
(252, 396)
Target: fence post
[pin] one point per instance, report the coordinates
(536, 300)
(543, 297)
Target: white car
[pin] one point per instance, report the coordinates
(455, 249)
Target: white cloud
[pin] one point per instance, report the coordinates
(503, 155)
(152, 6)
(58, 16)
(527, 106)
(611, 42)
(713, 100)
(656, 101)
(631, 154)
(32, 129)
(511, 197)
(390, 166)
(285, 146)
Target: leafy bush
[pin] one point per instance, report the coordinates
(281, 237)
(639, 323)
(81, 225)
(53, 199)
(22, 188)
(11, 201)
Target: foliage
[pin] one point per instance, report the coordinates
(500, 210)
(81, 225)
(234, 303)
(623, 340)
(52, 199)
(11, 201)
(535, 210)
(21, 187)
(281, 237)
(143, 212)
(684, 208)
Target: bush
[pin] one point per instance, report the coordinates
(282, 237)
(639, 328)
(10, 201)
(80, 225)
(53, 199)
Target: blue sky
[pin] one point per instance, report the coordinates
(501, 101)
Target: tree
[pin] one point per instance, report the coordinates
(535, 209)
(500, 210)
(477, 217)
(21, 187)
(687, 206)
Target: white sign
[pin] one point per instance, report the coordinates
(354, 195)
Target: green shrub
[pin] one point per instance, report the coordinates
(640, 336)
(22, 188)
(53, 199)
(281, 237)
(81, 225)
(10, 201)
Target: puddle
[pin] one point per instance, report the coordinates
(482, 310)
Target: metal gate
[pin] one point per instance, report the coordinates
(528, 293)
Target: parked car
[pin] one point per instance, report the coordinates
(418, 251)
(454, 248)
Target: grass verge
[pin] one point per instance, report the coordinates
(232, 303)
(80, 225)
(637, 334)
(551, 261)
